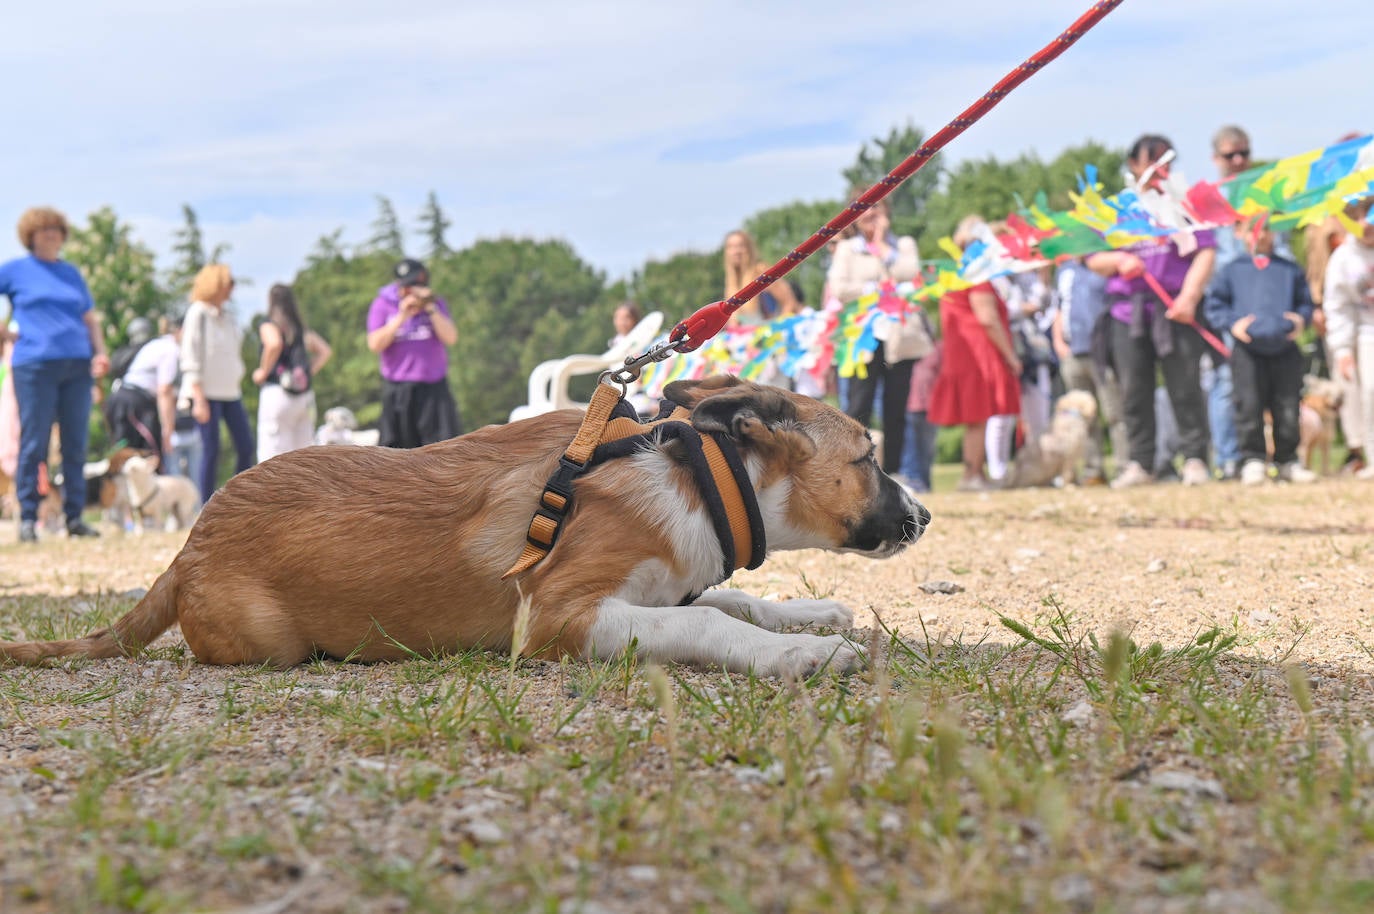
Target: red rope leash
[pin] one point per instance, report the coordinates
(1208, 336)
(708, 321)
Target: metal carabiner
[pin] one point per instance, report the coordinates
(635, 364)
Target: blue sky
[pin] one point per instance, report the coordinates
(633, 130)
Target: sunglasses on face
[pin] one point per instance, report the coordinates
(1235, 154)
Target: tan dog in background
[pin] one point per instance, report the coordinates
(1057, 453)
(170, 501)
(1321, 405)
(380, 553)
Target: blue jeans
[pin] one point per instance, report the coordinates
(1225, 440)
(59, 391)
(236, 417)
(184, 460)
(919, 454)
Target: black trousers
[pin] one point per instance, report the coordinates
(1267, 382)
(415, 414)
(131, 413)
(1135, 360)
(896, 380)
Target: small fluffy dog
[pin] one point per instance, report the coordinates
(170, 501)
(339, 425)
(1321, 405)
(380, 553)
(1058, 453)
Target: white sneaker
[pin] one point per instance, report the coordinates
(1296, 472)
(1366, 473)
(1254, 473)
(1133, 475)
(1195, 472)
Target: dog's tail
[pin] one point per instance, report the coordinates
(153, 615)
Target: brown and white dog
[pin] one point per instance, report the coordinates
(1058, 452)
(378, 554)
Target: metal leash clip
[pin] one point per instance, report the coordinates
(634, 364)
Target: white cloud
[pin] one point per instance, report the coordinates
(281, 119)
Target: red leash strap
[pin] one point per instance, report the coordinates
(707, 322)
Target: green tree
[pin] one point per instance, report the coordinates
(386, 235)
(188, 249)
(908, 201)
(993, 188)
(780, 229)
(120, 272)
(328, 249)
(516, 303)
(677, 286)
(433, 225)
(334, 291)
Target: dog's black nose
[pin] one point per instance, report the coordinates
(922, 515)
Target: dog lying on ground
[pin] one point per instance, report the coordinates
(1057, 453)
(1321, 405)
(379, 554)
(169, 501)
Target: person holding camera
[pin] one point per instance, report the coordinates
(411, 328)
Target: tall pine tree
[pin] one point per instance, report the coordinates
(188, 249)
(386, 237)
(433, 225)
(878, 157)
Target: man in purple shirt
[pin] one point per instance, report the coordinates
(1144, 333)
(410, 328)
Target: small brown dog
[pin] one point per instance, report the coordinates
(1058, 453)
(1321, 405)
(379, 554)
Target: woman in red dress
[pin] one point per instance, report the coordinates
(979, 375)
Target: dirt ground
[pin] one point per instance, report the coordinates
(1288, 569)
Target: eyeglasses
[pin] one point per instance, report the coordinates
(1234, 154)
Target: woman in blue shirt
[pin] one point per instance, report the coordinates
(58, 351)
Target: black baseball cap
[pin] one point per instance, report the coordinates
(409, 272)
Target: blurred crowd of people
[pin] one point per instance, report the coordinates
(177, 381)
(1191, 345)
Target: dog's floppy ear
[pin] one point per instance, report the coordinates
(760, 416)
(690, 393)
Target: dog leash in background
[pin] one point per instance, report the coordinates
(691, 333)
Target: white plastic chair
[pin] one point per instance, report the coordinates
(549, 381)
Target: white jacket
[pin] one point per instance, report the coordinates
(210, 353)
(1349, 297)
(855, 270)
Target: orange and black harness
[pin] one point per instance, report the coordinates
(610, 430)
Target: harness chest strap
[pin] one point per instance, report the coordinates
(720, 475)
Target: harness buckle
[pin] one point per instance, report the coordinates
(555, 519)
(561, 484)
(555, 500)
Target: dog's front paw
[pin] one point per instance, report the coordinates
(828, 613)
(808, 654)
